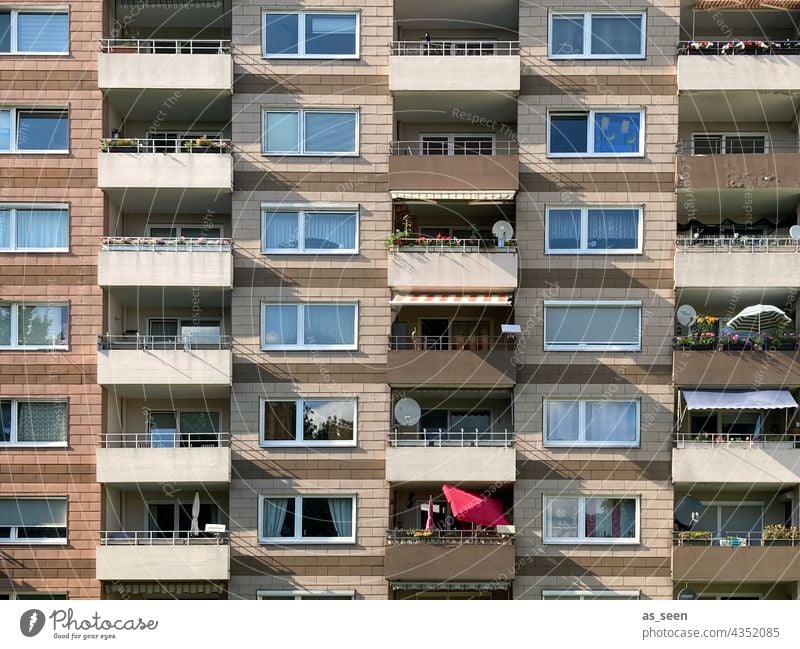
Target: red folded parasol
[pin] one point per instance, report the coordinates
(430, 526)
(471, 508)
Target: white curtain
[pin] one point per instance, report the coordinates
(330, 132)
(5, 228)
(563, 423)
(275, 510)
(329, 324)
(330, 230)
(342, 515)
(281, 231)
(42, 229)
(611, 421)
(613, 229)
(563, 229)
(616, 34)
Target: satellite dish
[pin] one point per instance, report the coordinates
(686, 315)
(794, 232)
(503, 231)
(688, 510)
(687, 593)
(407, 412)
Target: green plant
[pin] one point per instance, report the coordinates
(694, 535)
(108, 143)
(780, 533)
(404, 232)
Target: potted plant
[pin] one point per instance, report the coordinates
(694, 537)
(118, 145)
(705, 341)
(733, 342)
(123, 46)
(780, 535)
(205, 144)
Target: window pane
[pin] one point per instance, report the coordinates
(610, 518)
(330, 132)
(331, 421)
(613, 229)
(5, 421)
(330, 231)
(567, 36)
(42, 422)
(616, 35)
(42, 130)
(279, 514)
(42, 325)
(563, 424)
(199, 422)
(561, 518)
(592, 325)
(281, 131)
(42, 228)
(282, 231)
(5, 130)
(42, 32)
(5, 31)
(330, 324)
(280, 324)
(611, 421)
(616, 132)
(42, 532)
(564, 229)
(327, 517)
(745, 144)
(5, 228)
(281, 33)
(280, 420)
(5, 325)
(568, 133)
(330, 34)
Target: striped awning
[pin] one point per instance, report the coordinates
(738, 399)
(450, 585)
(484, 196)
(748, 4)
(172, 588)
(438, 299)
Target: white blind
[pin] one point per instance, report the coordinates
(33, 512)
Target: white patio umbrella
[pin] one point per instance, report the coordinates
(759, 317)
(195, 528)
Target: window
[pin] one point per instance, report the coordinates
(307, 519)
(590, 594)
(591, 520)
(25, 130)
(34, 228)
(309, 422)
(186, 231)
(719, 143)
(309, 326)
(165, 519)
(321, 230)
(597, 36)
(459, 144)
(170, 331)
(311, 35)
(606, 133)
(311, 132)
(305, 594)
(594, 230)
(34, 326)
(604, 325)
(33, 423)
(591, 423)
(34, 32)
(183, 429)
(33, 520)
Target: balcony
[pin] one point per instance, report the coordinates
(489, 175)
(433, 361)
(169, 366)
(739, 262)
(776, 366)
(164, 457)
(163, 556)
(454, 65)
(443, 556)
(450, 456)
(738, 65)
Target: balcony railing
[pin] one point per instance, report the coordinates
(737, 440)
(165, 439)
(447, 537)
(180, 144)
(730, 539)
(455, 48)
(164, 46)
(452, 343)
(451, 439)
(745, 243)
(142, 342)
(169, 537)
(744, 342)
(747, 145)
(166, 244)
(463, 147)
(738, 47)
(451, 244)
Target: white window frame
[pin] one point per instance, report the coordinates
(13, 147)
(178, 227)
(14, 207)
(301, 327)
(587, 35)
(298, 424)
(582, 441)
(15, 424)
(724, 135)
(718, 504)
(301, 36)
(590, 118)
(14, 26)
(15, 326)
(575, 594)
(302, 594)
(451, 137)
(303, 209)
(584, 248)
(14, 540)
(582, 539)
(298, 539)
(588, 347)
(301, 130)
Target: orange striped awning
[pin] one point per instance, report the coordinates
(748, 4)
(437, 299)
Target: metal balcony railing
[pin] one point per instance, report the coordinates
(447, 537)
(737, 440)
(164, 46)
(735, 145)
(452, 244)
(455, 48)
(461, 147)
(143, 342)
(166, 244)
(452, 343)
(180, 144)
(439, 438)
(701, 47)
(744, 243)
(731, 539)
(165, 439)
(168, 537)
